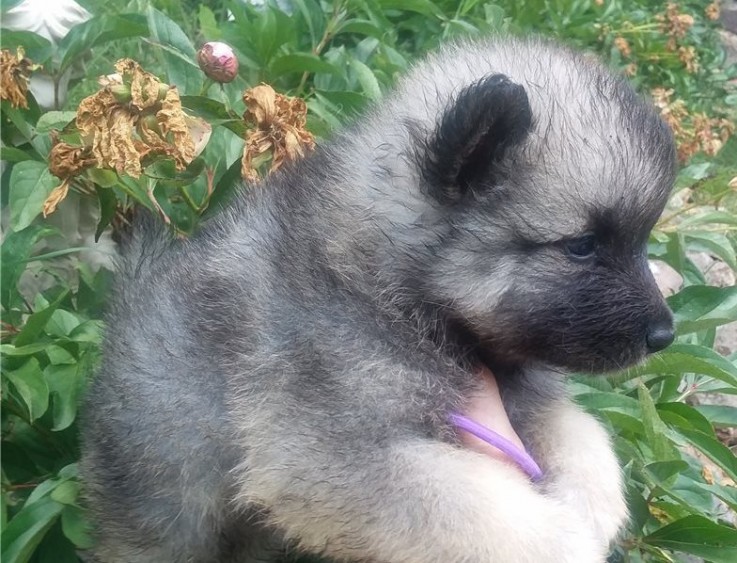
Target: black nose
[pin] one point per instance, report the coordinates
(659, 336)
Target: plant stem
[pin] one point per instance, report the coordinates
(188, 198)
(326, 37)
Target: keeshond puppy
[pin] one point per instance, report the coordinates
(284, 379)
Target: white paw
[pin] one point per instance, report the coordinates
(585, 475)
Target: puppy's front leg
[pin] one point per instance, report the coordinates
(580, 467)
(417, 502)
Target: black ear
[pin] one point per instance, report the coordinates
(487, 118)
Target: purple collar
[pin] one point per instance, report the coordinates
(519, 456)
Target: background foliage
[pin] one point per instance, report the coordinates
(339, 56)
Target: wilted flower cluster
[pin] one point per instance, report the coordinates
(712, 10)
(675, 25)
(687, 56)
(15, 71)
(693, 132)
(132, 117)
(623, 46)
(135, 115)
(278, 126)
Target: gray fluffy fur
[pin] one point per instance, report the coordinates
(282, 380)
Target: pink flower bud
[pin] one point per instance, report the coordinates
(218, 61)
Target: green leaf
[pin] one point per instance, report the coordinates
(36, 47)
(76, 527)
(55, 547)
(108, 206)
(343, 104)
(88, 331)
(725, 493)
(22, 121)
(299, 63)
(460, 27)
(45, 488)
(208, 24)
(366, 78)
(62, 323)
(225, 189)
(709, 218)
(165, 172)
(714, 243)
(625, 422)
(58, 355)
(361, 27)
(693, 419)
(29, 382)
(698, 171)
(597, 401)
(14, 253)
(424, 7)
(719, 415)
(11, 154)
(37, 321)
(206, 108)
(30, 185)
(713, 449)
(6, 5)
(699, 536)
(314, 18)
(679, 359)
(97, 31)
(701, 307)
(655, 429)
(26, 530)
(102, 177)
(31, 349)
(66, 383)
(662, 471)
(55, 120)
(271, 29)
(178, 51)
(66, 492)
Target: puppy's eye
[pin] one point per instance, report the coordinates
(581, 248)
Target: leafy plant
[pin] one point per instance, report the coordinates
(339, 56)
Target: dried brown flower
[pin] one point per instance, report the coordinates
(712, 11)
(630, 69)
(134, 116)
(146, 90)
(56, 196)
(278, 126)
(693, 132)
(674, 24)
(173, 123)
(623, 46)
(66, 160)
(15, 72)
(687, 56)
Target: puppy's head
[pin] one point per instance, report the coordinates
(548, 184)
